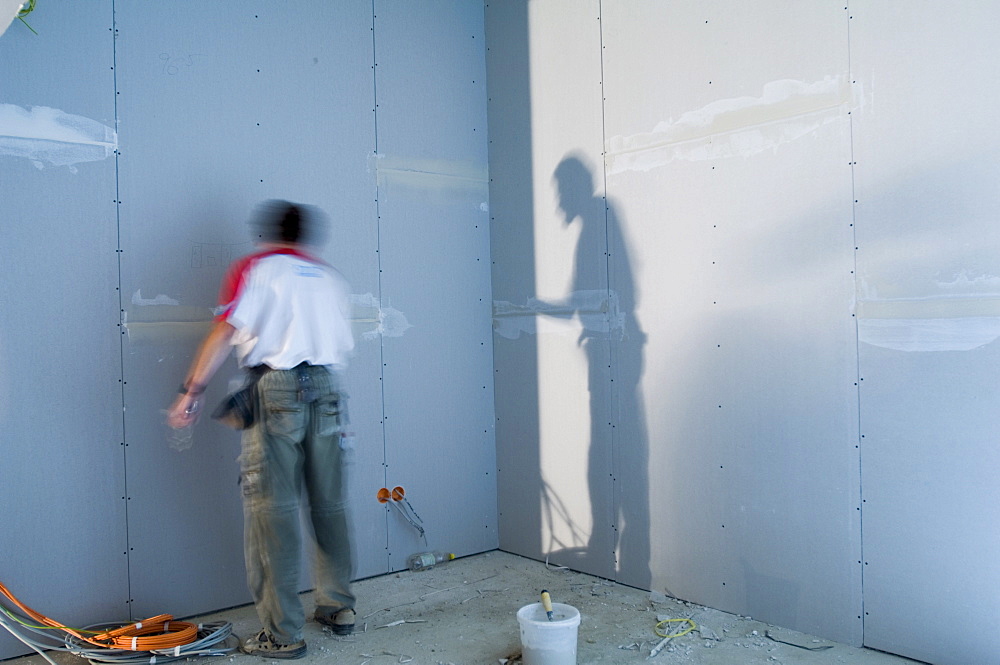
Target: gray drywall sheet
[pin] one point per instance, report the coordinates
(693, 359)
(434, 254)
(62, 475)
(139, 144)
(926, 148)
(513, 266)
(214, 121)
(551, 332)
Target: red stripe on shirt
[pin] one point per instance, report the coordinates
(235, 279)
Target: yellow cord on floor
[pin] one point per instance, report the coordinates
(683, 632)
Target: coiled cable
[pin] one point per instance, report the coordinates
(157, 639)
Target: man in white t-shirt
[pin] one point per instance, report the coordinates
(288, 315)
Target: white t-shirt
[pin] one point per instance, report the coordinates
(287, 308)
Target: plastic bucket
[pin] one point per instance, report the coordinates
(545, 642)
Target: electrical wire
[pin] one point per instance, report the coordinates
(24, 12)
(683, 632)
(157, 639)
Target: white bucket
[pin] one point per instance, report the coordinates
(545, 642)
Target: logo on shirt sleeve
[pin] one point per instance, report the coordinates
(305, 270)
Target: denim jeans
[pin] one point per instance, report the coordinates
(294, 452)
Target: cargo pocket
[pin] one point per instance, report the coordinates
(252, 475)
(284, 415)
(328, 415)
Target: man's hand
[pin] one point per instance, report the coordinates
(213, 351)
(184, 411)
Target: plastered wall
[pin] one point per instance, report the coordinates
(744, 283)
(134, 143)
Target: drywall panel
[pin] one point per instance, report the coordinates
(513, 273)
(212, 123)
(435, 272)
(728, 149)
(62, 475)
(926, 174)
(551, 286)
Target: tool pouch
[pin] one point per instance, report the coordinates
(239, 409)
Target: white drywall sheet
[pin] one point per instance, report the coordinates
(928, 267)
(552, 340)
(728, 150)
(688, 339)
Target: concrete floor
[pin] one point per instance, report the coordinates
(464, 613)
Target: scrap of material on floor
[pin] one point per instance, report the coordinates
(464, 612)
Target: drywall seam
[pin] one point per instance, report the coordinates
(155, 318)
(43, 134)
(956, 315)
(741, 126)
(435, 174)
(958, 323)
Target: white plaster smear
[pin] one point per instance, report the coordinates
(945, 322)
(926, 335)
(742, 126)
(47, 135)
(593, 311)
(385, 321)
(161, 299)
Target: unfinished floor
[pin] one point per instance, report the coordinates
(464, 613)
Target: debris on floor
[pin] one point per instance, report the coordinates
(465, 614)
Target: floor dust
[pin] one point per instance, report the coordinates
(464, 613)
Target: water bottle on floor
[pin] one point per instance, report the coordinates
(425, 560)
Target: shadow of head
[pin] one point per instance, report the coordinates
(574, 184)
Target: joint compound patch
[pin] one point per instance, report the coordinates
(49, 136)
(376, 319)
(738, 127)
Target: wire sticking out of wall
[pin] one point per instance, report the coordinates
(397, 499)
(157, 639)
(24, 12)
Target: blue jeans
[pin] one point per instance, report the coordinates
(294, 445)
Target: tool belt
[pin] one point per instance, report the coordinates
(239, 409)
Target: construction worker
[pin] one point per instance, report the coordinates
(287, 314)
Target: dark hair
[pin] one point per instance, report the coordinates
(282, 221)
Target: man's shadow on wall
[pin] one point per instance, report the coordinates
(604, 299)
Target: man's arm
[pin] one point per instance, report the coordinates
(211, 354)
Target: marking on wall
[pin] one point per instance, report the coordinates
(738, 127)
(47, 135)
(592, 311)
(376, 319)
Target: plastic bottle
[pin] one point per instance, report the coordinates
(425, 560)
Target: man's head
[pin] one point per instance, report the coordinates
(283, 222)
